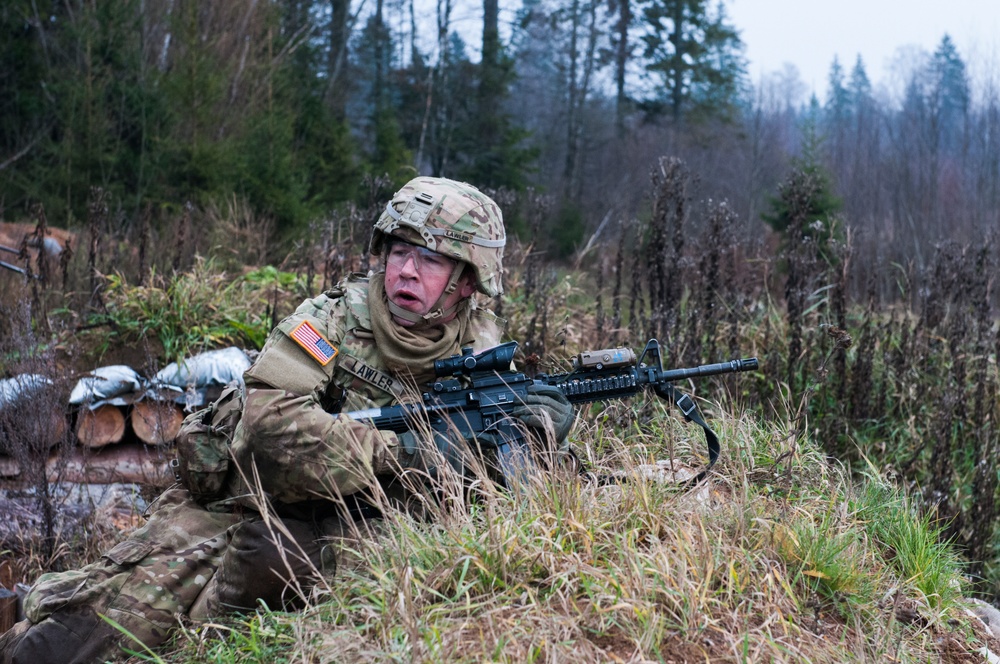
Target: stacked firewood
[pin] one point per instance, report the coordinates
(121, 424)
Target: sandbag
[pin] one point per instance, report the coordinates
(215, 367)
(111, 384)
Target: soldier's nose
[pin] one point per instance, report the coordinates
(410, 266)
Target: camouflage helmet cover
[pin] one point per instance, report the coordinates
(452, 218)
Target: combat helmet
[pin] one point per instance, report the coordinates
(452, 218)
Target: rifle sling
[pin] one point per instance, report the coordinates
(691, 413)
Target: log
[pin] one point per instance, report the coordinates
(58, 425)
(129, 463)
(99, 427)
(8, 609)
(32, 428)
(156, 422)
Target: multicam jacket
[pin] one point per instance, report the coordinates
(290, 431)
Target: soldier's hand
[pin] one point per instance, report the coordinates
(419, 450)
(546, 408)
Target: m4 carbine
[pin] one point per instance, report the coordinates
(474, 395)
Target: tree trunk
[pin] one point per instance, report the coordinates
(621, 60)
(491, 79)
(339, 33)
(381, 60)
(677, 39)
(569, 167)
(436, 73)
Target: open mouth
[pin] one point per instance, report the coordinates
(405, 298)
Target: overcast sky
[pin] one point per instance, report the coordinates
(808, 33)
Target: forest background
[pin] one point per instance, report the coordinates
(288, 105)
(621, 137)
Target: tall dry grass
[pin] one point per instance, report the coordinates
(780, 558)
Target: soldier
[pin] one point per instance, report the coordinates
(367, 343)
(364, 345)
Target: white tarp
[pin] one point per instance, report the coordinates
(12, 389)
(107, 385)
(216, 367)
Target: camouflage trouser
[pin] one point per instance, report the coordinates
(184, 560)
(141, 583)
(253, 569)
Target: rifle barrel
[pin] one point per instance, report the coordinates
(733, 366)
(15, 268)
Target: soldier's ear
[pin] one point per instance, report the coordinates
(467, 283)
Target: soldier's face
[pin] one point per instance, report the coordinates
(415, 277)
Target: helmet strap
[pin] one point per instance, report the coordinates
(437, 311)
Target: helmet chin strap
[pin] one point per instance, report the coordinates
(437, 311)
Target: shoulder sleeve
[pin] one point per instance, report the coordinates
(486, 329)
(300, 450)
(301, 353)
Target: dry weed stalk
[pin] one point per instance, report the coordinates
(183, 230)
(97, 217)
(33, 421)
(670, 181)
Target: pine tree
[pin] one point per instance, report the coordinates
(388, 153)
(806, 206)
(949, 94)
(698, 57)
(337, 81)
(25, 110)
(497, 156)
(622, 47)
(453, 116)
(860, 87)
(837, 113)
(837, 97)
(324, 150)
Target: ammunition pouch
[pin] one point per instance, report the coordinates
(203, 442)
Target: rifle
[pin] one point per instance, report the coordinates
(474, 395)
(14, 268)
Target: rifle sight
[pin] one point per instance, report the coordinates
(498, 358)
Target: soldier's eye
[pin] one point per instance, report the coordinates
(436, 260)
(423, 258)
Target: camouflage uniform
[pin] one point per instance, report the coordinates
(301, 451)
(197, 560)
(141, 584)
(304, 454)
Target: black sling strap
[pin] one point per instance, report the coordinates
(691, 413)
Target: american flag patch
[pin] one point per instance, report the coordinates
(313, 342)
